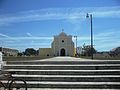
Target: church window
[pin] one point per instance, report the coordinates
(62, 41)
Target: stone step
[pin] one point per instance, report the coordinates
(70, 78)
(67, 89)
(39, 84)
(65, 67)
(80, 85)
(65, 72)
(69, 73)
(73, 62)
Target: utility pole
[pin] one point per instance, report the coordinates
(76, 44)
(91, 25)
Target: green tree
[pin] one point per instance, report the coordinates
(21, 53)
(30, 51)
(87, 50)
(37, 52)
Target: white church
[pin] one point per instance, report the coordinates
(62, 45)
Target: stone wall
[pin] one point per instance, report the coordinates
(12, 58)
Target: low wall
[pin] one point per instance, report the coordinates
(12, 58)
(1, 62)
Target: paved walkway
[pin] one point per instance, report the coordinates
(66, 89)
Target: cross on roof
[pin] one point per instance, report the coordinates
(62, 30)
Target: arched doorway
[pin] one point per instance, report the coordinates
(62, 52)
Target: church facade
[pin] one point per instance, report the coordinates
(62, 45)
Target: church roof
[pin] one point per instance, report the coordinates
(62, 34)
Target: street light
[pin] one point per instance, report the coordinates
(90, 16)
(76, 44)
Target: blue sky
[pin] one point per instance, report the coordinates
(33, 23)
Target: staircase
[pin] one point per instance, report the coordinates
(69, 73)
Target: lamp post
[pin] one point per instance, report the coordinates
(76, 44)
(90, 16)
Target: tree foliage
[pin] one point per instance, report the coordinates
(87, 50)
(30, 52)
(115, 52)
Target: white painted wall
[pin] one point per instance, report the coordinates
(1, 61)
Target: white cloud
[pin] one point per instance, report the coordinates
(28, 38)
(33, 38)
(21, 43)
(106, 46)
(3, 35)
(110, 36)
(59, 13)
(103, 41)
(107, 40)
(112, 14)
(29, 34)
(30, 44)
(105, 34)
